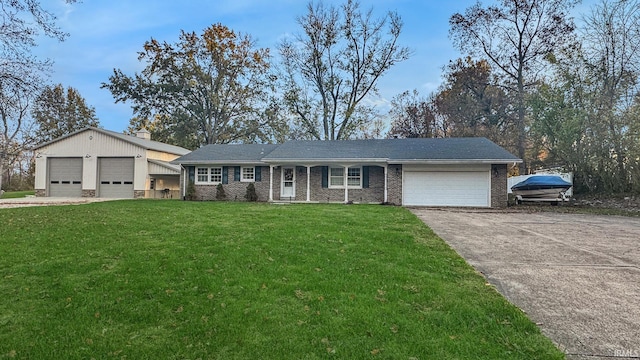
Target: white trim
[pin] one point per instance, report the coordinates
(308, 183)
(209, 175)
(345, 177)
(271, 167)
(386, 187)
(293, 182)
(242, 174)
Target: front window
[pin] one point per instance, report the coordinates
(248, 174)
(203, 175)
(216, 175)
(336, 177)
(208, 175)
(354, 177)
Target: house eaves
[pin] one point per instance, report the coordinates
(320, 161)
(453, 161)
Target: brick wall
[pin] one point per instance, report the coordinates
(373, 194)
(499, 186)
(236, 190)
(88, 193)
(394, 174)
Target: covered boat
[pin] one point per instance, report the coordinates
(541, 186)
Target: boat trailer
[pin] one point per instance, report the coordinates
(562, 197)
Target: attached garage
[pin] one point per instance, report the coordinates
(115, 177)
(65, 177)
(447, 188)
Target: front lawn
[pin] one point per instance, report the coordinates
(16, 194)
(146, 279)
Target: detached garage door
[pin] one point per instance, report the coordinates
(116, 178)
(444, 188)
(65, 177)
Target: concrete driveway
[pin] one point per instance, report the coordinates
(46, 201)
(576, 276)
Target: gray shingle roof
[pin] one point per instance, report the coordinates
(144, 143)
(447, 150)
(228, 153)
(402, 150)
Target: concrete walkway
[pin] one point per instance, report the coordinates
(576, 276)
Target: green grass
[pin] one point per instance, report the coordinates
(17, 194)
(188, 280)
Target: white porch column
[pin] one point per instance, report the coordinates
(346, 186)
(386, 197)
(308, 183)
(271, 167)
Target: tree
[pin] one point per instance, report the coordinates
(471, 103)
(20, 72)
(586, 117)
(335, 64)
(206, 89)
(612, 52)
(22, 22)
(515, 36)
(14, 104)
(413, 116)
(57, 112)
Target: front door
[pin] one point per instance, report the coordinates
(288, 183)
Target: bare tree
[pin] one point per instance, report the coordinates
(515, 36)
(612, 52)
(413, 116)
(20, 72)
(14, 110)
(335, 64)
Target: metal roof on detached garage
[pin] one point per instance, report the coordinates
(143, 143)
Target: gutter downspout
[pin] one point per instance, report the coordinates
(184, 175)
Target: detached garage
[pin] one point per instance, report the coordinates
(95, 162)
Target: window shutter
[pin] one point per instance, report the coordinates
(325, 176)
(192, 173)
(258, 173)
(225, 174)
(236, 173)
(365, 177)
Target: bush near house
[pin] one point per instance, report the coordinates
(220, 193)
(251, 193)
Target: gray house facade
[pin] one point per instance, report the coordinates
(469, 172)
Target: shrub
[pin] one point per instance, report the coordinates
(191, 191)
(220, 194)
(251, 193)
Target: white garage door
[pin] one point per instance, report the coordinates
(65, 177)
(443, 188)
(116, 177)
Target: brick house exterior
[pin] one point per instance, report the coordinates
(304, 171)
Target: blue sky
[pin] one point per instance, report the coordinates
(108, 34)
